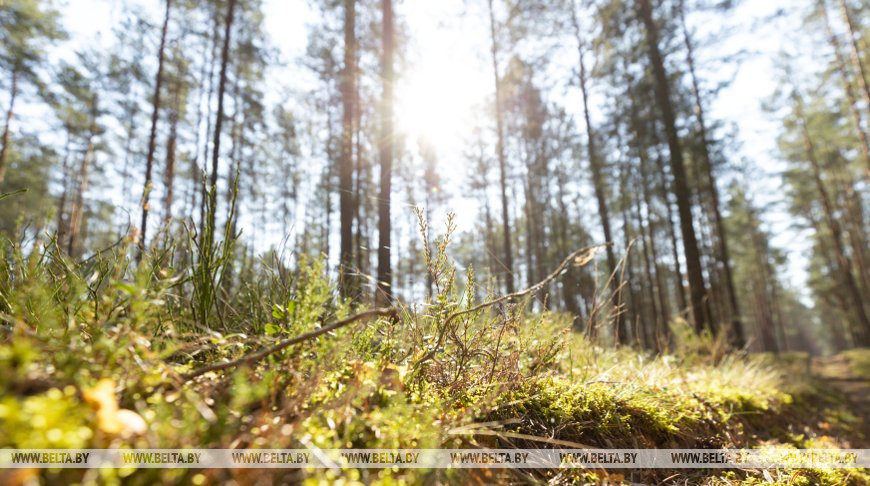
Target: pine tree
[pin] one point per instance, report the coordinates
(27, 28)
(383, 293)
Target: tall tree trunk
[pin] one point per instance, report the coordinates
(569, 282)
(663, 334)
(384, 293)
(650, 334)
(633, 314)
(62, 226)
(345, 170)
(361, 167)
(595, 166)
(862, 337)
(7, 139)
(218, 124)
(738, 338)
(195, 171)
(672, 233)
(130, 133)
(75, 222)
(203, 199)
(697, 289)
(847, 83)
(171, 145)
(152, 138)
(77, 213)
(502, 161)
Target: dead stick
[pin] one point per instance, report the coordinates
(254, 357)
(579, 258)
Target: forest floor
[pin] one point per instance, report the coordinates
(849, 373)
(94, 355)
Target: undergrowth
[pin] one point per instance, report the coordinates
(93, 352)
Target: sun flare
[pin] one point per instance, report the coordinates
(435, 101)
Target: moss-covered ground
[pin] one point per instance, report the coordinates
(92, 356)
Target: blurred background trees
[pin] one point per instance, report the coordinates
(598, 128)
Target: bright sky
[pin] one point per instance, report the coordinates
(450, 74)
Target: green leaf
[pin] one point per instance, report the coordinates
(272, 329)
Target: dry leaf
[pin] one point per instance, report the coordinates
(586, 257)
(110, 418)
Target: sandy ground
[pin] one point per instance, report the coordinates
(837, 371)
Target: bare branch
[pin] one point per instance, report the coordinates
(254, 357)
(578, 258)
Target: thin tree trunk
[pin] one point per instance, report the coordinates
(62, 227)
(663, 334)
(195, 171)
(863, 330)
(697, 289)
(130, 130)
(345, 171)
(152, 138)
(502, 161)
(738, 338)
(77, 213)
(569, 282)
(75, 220)
(218, 124)
(384, 292)
(4, 150)
(664, 308)
(203, 199)
(595, 167)
(360, 175)
(650, 334)
(633, 314)
(169, 175)
(672, 233)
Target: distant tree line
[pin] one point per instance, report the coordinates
(173, 129)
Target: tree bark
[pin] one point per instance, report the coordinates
(500, 150)
(697, 289)
(384, 291)
(152, 138)
(345, 170)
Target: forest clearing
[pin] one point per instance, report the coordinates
(462, 242)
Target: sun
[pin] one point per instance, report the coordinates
(436, 101)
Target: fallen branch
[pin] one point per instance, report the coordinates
(254, 357)
(577, 258)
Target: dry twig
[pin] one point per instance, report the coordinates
(577, 258)
(257, 356)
